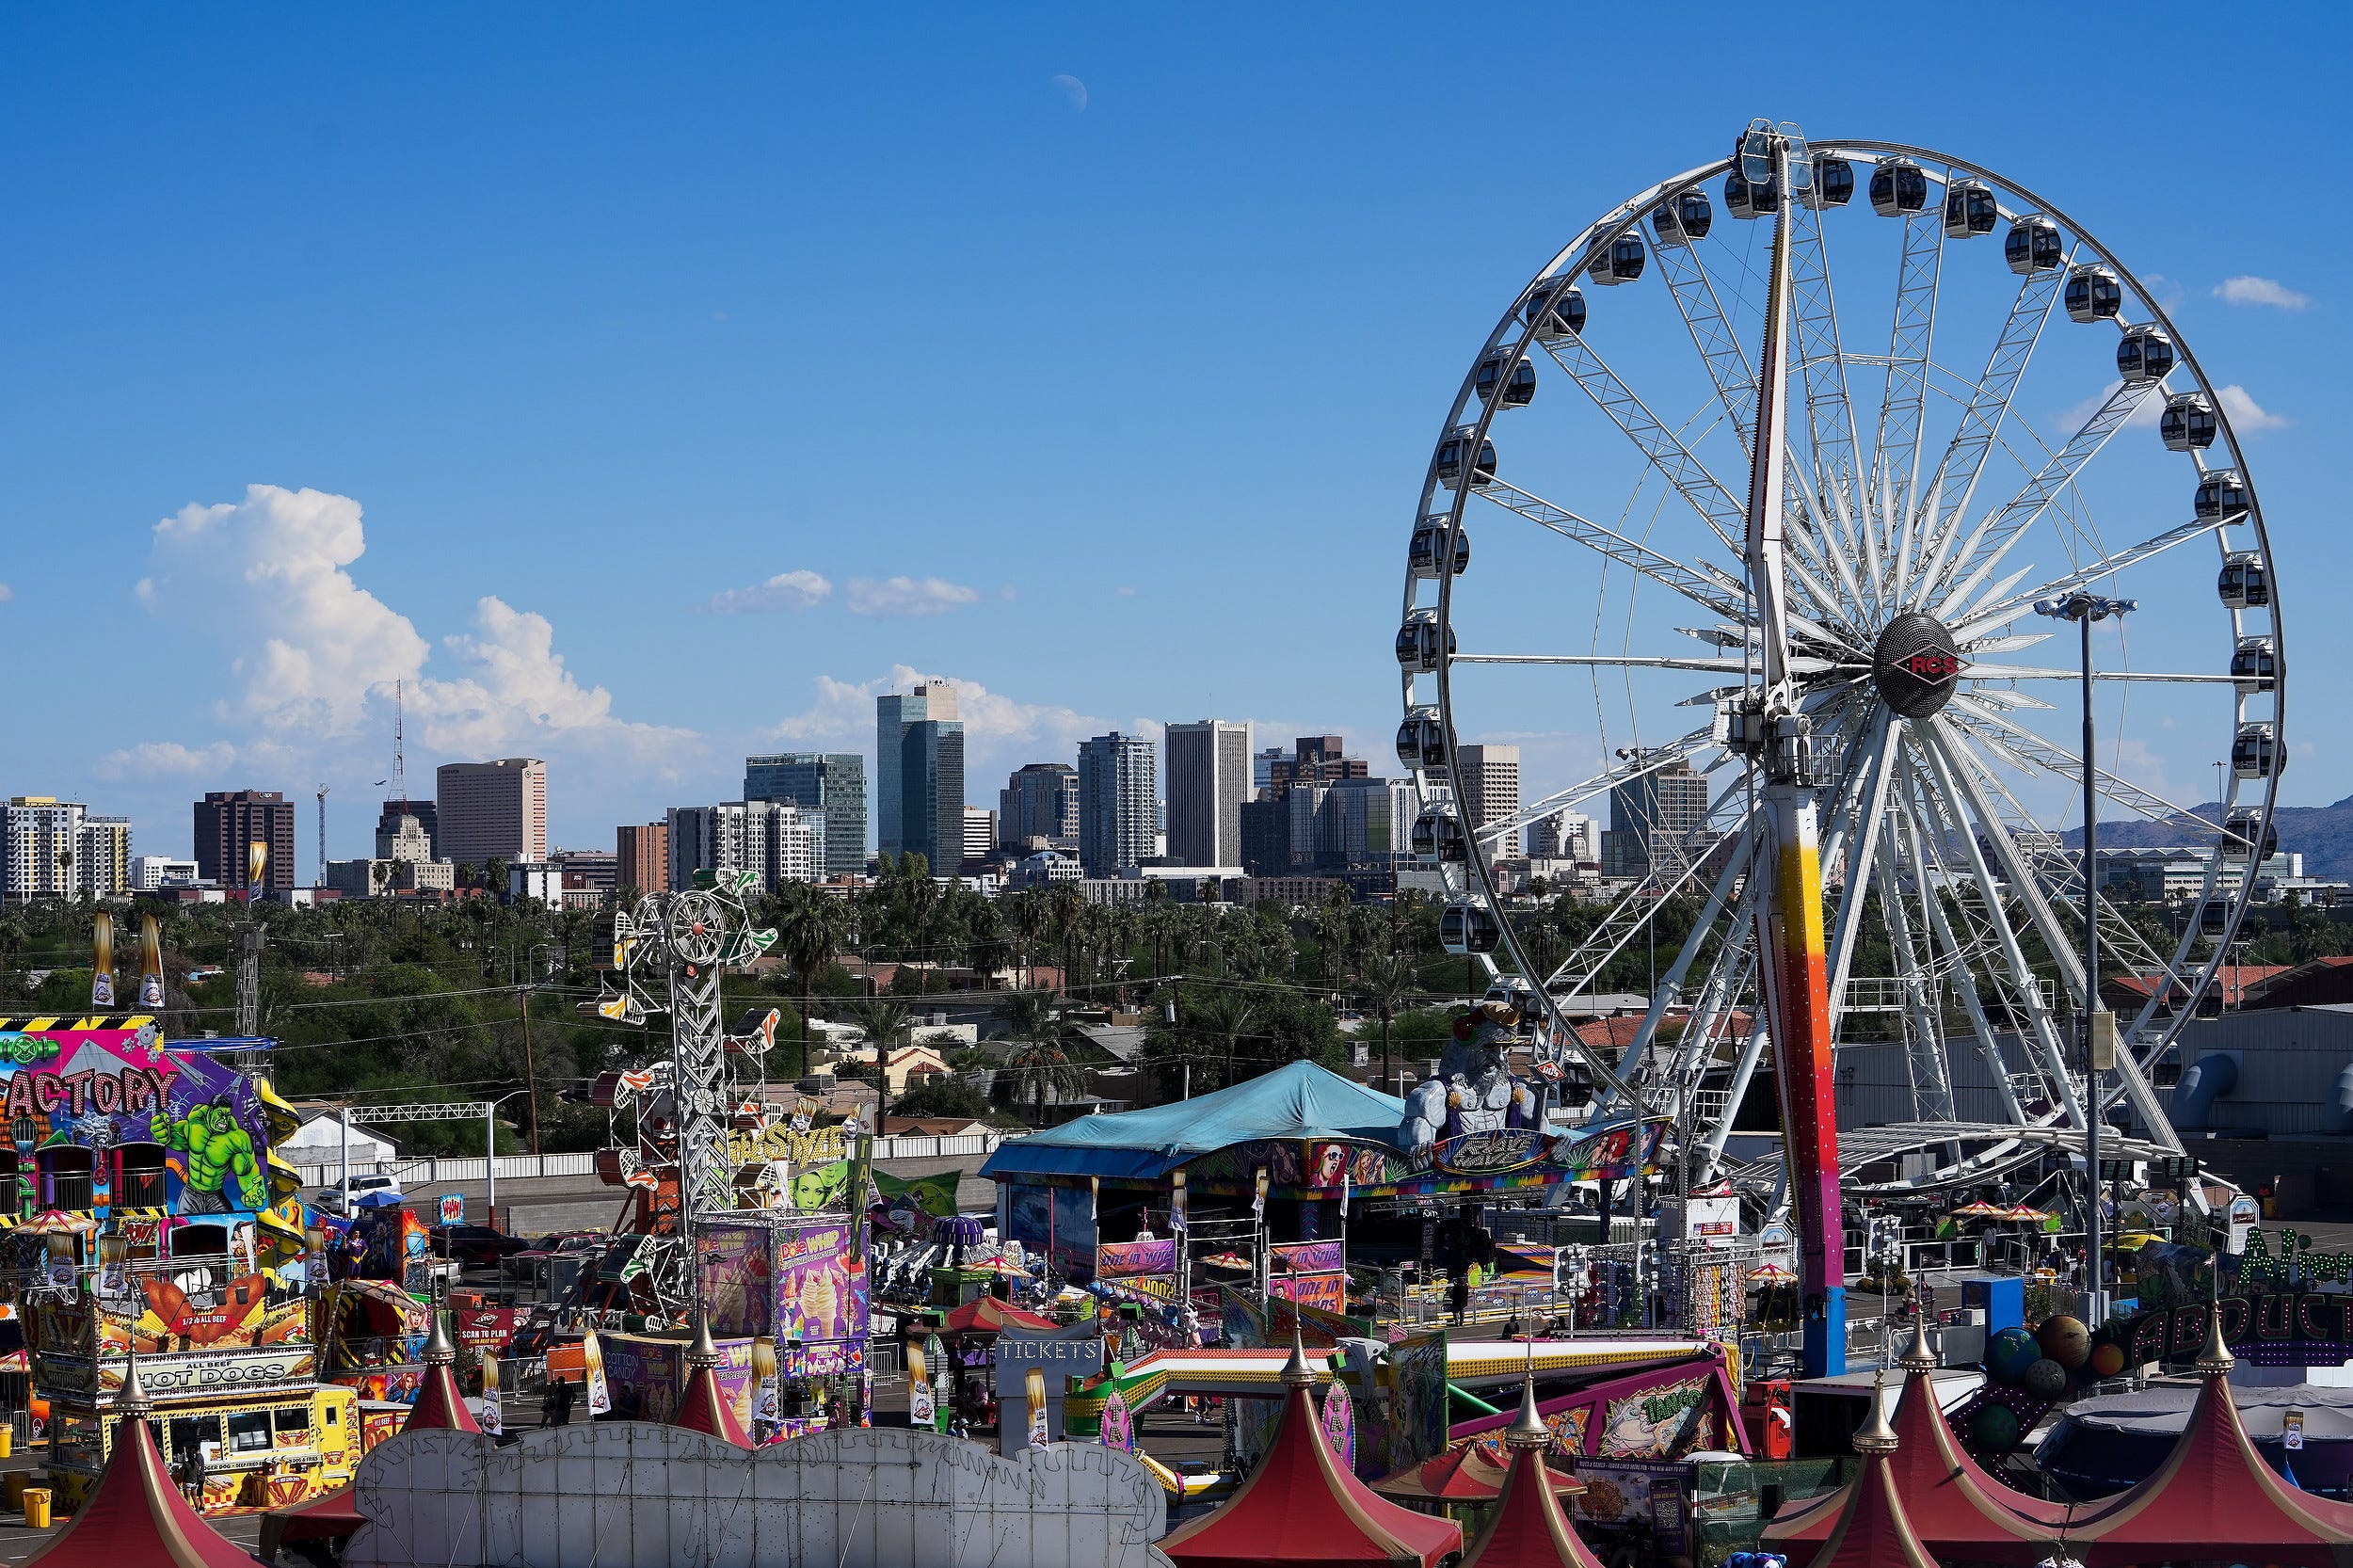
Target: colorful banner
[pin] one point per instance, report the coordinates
(151, 963)
(1303, 1257)
(1325, 1292)
(492, 1418)
(101, 974)
(1656, 1422)
(592, 1365)
(1124, 1260)
(911, 1204)
(452, 1207)
(821, 1286)
(117, 1090)
(1339, 1424)
(1418, 1408)
(1119, 1424)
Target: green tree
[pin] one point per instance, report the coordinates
(885, 1021)
(1387, 981)
(810, 925)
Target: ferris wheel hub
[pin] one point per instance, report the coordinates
(1915, 665)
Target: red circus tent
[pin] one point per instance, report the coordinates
(2214, 1497)
(704, 1406)
(1527, 1530)
(135, 1517)
(439, 1405)
(1871, 1529)
(1463, 1475)
(1302, 1507)
(1953, 1505)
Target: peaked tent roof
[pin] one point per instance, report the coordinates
(987, 1315)
(703, 1406)
(439, 1405)
(330, 1516)
(1463, 1475)
(1954, 1506)
(136, 1518)
(1872, 1530)
(1527, 1528)
(1301, 1507)
(2214, 1496)
(1294, 1101)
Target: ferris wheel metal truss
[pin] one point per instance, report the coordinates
(668, 954)
(1911, 805)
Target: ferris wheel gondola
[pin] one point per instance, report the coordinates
(1933, 497)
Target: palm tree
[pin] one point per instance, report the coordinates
(1226, 1015)
(1043, 1066)
(810, 923)
(884, 1019)
(1388, 980)
(1028, 919)
(1069, 917)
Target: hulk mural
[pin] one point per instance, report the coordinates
(222, 1162)
(113, 1089)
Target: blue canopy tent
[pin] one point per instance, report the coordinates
(1296, 1101)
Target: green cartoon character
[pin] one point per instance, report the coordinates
(218, 1149)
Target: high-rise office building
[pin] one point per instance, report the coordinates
(492, 811)
(1490, 790)
(775, 839)
(1266, 836)
(1314, 760)
(227, 821)
(387, 821)
(1262, 765)
(833, 782)
(52, 848)
(1039, 801)
(641, 855)
(404, 838)
(980, 834)
(1659, 816)
(1117, 794)
(1208, 778)
(919, 775)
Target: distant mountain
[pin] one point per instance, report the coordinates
(2323, 835)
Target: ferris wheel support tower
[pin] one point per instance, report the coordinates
(1794, 968)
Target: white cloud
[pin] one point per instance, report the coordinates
(267, 576)
(2143, 417)
(999, 729)
(310, 647)
(2246, 415)
(167, 760)
(7, 593)
(1125, 591)
(908, 596)
(2248, 290)
(788, 590)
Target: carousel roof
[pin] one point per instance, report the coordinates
(1302, 1506)
(136, 1514)
(1527, 1528)
(439, 1405)
(987, 1315)
(2214, 1496)
(1294, 1101)
(1950, 1502)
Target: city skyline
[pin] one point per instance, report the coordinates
(442, 493)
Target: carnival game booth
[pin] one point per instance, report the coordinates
(1275, 1171)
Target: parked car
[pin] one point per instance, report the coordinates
(475, 1246)
(525, 1263)
(361, 1192)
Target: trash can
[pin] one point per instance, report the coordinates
(37, 1507)
(7, 1440)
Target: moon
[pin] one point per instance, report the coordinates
(1074, 90)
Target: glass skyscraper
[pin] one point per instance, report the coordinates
(919, 775)
(833, 782)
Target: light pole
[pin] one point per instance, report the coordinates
(490, 1148)
(2097, 1028)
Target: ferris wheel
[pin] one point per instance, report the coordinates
(1991, 422)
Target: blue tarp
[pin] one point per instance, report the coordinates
(1297, 1100)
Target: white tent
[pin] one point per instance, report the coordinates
(320, 1137)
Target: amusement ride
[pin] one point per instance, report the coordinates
(1832, 714)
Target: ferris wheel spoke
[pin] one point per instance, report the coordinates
(1650, 759)
(1695, 298)
(1866, 813)
(1704, 585)
(1674, 462)
(2025, 672)
(1668, 993)
(1798, 664)
(2025, 744)
(1924, 1045)
(1829, 413)
(1933, 818)
(1895, 449)
(1993, 539)
(1950, 766)
(1980, 621)
(1963, 463)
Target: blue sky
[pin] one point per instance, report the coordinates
(669, 385)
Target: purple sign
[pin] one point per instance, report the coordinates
(1306, 1258)
(1126, 1259)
